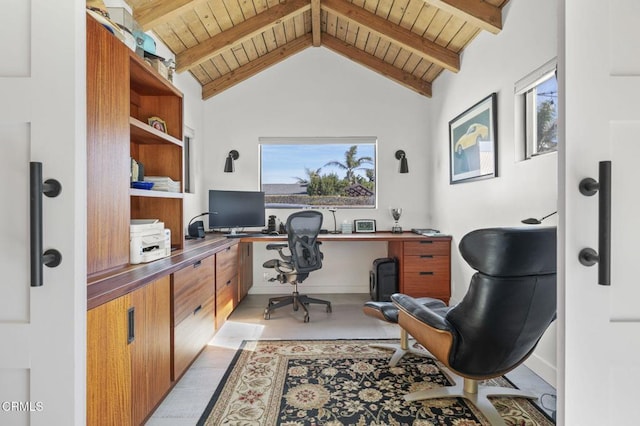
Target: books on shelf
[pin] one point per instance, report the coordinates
(163, 183)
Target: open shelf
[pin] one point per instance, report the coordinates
(143, 133)
(151, 193)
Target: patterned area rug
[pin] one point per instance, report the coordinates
(343, 382)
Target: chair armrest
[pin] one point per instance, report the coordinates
(434, 318)
(277, 246)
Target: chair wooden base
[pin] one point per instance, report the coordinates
(477, 395)
(402, 349)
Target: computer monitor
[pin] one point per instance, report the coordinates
(236, 209)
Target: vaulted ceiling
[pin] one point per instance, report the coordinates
(224, 42)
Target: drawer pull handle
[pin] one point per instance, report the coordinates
(131, 325)
(196, 310)
(426, 256)
(229, 282)
(426, 242)
(426, 273)
(197, 264)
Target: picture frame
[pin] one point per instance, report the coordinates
(364, 225)
(473, 142)
(158, 124)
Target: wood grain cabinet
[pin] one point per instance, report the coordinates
(128, 355)
(123, 92)
(245, 269)
(227, 296)
(193, 320)
(425, 267)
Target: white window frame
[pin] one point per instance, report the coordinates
(526, 96)
(189, 166)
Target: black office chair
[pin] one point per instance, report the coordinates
(510, 303)
(305, 256)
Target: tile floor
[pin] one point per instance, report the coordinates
(188, 399)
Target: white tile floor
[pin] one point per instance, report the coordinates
(188, 399)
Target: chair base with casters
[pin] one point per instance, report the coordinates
(297, 300)
(388, 312)
(474, 393)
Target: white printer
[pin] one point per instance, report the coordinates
(149, 241)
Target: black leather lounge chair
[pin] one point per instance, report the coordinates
(510, 303)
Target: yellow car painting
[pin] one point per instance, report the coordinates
(475, 133)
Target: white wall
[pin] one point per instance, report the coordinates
(319, 93)
(524, 188)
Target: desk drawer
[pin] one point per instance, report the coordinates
(427, 263)
(226, 264)
(427, 276)
(191, 287)
(427, 247)
(420, 285)
(190, 336)
(226, 299)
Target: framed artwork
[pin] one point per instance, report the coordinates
(364, 225)
(158, 124)
(473, 142)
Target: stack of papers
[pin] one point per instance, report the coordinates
(163, 183)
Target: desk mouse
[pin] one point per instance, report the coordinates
(273, 233)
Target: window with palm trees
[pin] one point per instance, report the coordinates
(539, 94)
(318, 172)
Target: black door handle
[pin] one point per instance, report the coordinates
(50, 188)
(588, 256)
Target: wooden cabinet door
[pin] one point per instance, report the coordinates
(108, 364)
(151, 347)
(245, 269)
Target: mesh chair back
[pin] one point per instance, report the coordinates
(302, 230)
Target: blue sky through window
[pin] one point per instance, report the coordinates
(284, 163)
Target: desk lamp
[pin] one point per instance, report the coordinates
(534, 221)
(335, 227)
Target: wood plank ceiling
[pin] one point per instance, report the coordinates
(224, 42)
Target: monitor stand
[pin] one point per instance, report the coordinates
(235, 234)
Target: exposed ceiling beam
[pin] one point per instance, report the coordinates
(153, 13)
(376, 64)
(239, 33)
(406, 39)
(315, 23)
(477, 12)
(256, 66)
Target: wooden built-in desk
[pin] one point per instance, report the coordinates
(424, 263)
(146, 323)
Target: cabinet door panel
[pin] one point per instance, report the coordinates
(151, 349)
(108, 364)
(108, 162)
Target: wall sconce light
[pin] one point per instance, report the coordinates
(402, 156)
(228, 164)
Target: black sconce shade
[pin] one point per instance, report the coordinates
(404, 165)
(228, 164)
